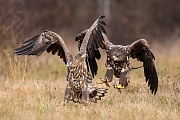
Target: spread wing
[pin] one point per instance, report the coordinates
(95, 41)
(140, 49)
(46, 41)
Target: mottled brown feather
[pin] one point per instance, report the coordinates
(140, 49)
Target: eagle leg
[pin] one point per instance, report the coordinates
(108, 77)
(67, 94)
(85, 96)
(104, 81)
(109, 74)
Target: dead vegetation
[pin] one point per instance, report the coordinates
(33, 88)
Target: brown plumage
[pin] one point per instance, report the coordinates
(117, 62)
(79, 80)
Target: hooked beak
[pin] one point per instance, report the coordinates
(84, 56)
(115, 58)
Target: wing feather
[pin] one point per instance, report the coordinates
(96, 93)
(102, 22)
(140, 49)
(102, 28)
(96, 41)
(46, 41)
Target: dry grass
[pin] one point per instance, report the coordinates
(33, 88)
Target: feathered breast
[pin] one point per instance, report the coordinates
(77, 74)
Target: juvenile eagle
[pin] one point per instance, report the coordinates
(78, 88)
(117, 62)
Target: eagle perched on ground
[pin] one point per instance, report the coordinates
(79, 87)
(117, 62)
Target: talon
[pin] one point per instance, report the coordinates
(119, 87)
(119, 90)
(104, 81)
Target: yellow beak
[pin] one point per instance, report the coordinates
(115, 58)
(83, 56)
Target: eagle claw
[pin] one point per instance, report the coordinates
(119, 87)
(104, 81)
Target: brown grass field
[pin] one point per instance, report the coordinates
(33, 88)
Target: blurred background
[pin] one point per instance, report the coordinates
(127, 20)
(33, 87)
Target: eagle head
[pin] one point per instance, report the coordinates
(121, 57)
(81, 56)
(119, 53)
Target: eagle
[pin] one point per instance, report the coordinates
(117, 62)
(79, 87)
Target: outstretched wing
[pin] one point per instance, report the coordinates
(95, 41)
(140, 49)
(49, 41)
